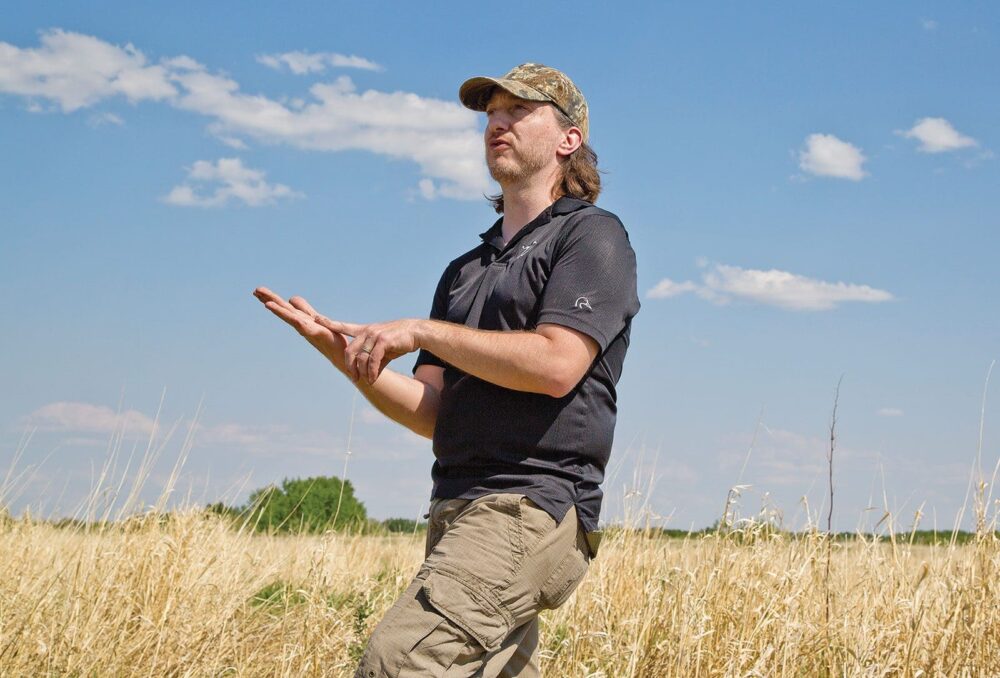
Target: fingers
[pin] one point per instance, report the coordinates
(360, 360)
(355, 359)
(294, 316)
(364, 357)
(303, 305)
(375, 357)
(291, 316)
(273, 302)
(350, 329)
(265, 295)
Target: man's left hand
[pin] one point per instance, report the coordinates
(374, 345)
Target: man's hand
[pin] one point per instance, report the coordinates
(299, 314)
(374, 345)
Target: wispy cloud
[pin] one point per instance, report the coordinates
(87, 424)
(779, 457)
(720, 284)
(929, 24)
(77, 417)
(101, 119)
(667, 288)
(75, 71)
(936, 135)
(233, 142)
(268, 440)
(889, 412)
(825, 155)
(302, 63)
(784, 457)
(231, 181)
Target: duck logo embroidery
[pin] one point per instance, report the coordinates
(583, 302)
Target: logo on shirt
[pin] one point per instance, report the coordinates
(525, 248)
(583, 302)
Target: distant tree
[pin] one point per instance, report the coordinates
(221, 509)
(402, 525)
(306, 505)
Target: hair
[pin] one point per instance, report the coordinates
(580, 176)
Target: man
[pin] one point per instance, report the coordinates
(515, 383)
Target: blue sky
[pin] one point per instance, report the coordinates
(810, 191)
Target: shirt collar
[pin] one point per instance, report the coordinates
(565, 205)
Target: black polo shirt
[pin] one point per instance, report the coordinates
(572, 266)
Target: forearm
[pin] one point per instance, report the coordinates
(407, 401)
(518, 360)
(403, 399)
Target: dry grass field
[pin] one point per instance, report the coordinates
(188, 595)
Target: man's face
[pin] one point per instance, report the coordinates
(521, 137)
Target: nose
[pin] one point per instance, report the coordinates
(498, 120)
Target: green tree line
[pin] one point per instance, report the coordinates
(311, 505)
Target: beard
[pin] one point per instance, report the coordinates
(515, 165)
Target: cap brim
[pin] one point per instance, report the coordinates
(475, 92)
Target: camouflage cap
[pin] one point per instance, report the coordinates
(533, 82)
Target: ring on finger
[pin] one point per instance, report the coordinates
(367, 348)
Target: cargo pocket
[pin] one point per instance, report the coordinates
(564, 580)
(469, 605)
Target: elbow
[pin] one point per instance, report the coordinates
(567, 357)
(561, 383)
(559, 391)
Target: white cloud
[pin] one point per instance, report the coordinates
(233, 142)
(440, 136)
(77, 417)
(301, 63)
(667, 288)
(936, 135)
(721, 284)
(889, 412)
(827, 156)
(787, 290)
(233, 182)
(99, 119)
(75, 71)
(84, 424)
(427, 189)
(929, 24)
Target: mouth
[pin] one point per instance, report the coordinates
(498, 144)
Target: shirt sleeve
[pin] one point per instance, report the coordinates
(592, 283)
(439, 311)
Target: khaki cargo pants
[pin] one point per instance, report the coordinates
(492, 564)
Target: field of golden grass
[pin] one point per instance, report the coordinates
(189, 595)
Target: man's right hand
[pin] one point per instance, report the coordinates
(300, 315)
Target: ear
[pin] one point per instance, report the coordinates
(572, 140)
